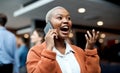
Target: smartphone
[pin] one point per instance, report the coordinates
(47, 27)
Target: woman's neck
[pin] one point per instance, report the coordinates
(60, 45)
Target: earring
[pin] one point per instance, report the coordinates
(70, 34)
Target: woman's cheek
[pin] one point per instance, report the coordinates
(57, 26)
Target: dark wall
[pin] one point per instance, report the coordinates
(80, 39)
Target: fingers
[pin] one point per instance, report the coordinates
(86, 37)
(97, 35)
(89, 34)
(52, 33)
(93, 32)
(92, 36)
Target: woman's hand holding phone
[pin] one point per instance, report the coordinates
(49, 38)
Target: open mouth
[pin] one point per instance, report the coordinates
(65, 28)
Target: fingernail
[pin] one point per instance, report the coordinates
(97, 31)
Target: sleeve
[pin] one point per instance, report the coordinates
(43, 62)
(92, 61)
(16, 59)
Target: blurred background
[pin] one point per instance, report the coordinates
(102, 15)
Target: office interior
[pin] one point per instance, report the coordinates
(102, 15)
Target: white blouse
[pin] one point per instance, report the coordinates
(67, 61)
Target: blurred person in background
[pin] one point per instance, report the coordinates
(8, 56)
(22, 53)
(37, 36)
(55, 55)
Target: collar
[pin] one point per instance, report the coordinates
(1, 27)
(67, 50)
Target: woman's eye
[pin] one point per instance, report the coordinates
(69, 18)
(59, 18)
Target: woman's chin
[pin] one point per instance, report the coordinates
(64, 36)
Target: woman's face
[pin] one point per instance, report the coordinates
(62, 22)
(35, 37)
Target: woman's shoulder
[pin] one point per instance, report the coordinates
(38, 48)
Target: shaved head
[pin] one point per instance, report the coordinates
(50, 12)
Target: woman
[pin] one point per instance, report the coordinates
(55, 55)
(37, 36)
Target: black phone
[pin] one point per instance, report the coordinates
(47, 27)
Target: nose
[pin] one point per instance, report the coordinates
(65, 21)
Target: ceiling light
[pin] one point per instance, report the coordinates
(100, 23)
(31, 7)
(26, 36)
(102, 35)
(81, 10)
(101, 40)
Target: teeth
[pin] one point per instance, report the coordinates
(65, 28)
